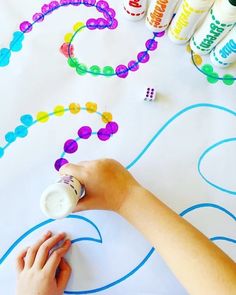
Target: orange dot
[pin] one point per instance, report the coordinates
(106, 117)
(197, 59)
(91, 107)
(74, 108)
(188, 48)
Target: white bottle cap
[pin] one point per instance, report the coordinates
(60, 199)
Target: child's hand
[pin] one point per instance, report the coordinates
(41, 272)
(107, 184)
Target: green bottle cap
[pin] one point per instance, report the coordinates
(232, 2)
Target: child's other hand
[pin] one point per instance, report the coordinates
(41, 272)
(107, 184)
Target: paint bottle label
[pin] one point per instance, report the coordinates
(135, 10)
(217, 24)
(187, 18)
(160, 14)
(225, 52)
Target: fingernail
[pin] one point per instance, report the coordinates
(47, 233)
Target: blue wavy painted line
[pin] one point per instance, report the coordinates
(231, 192)
(186, 211)
(221, 238)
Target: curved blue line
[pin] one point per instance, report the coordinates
(23, 236)
(222, 238)
(231, 192)
(191, 107)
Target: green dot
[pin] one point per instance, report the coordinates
(81, 69)
(95, 70)
(73, 62)
(207, 68)
(228, 79)
(213, 78)
(108, 71)
(217, 22)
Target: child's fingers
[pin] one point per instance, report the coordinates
(20, 263)
(74, 170)
(64, 274)
(32, 251)
(45, 248)
(55, 258)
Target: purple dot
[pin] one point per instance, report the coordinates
(76, 2)
(101, 23)
(112, 127)
(59, 163)
(70, 146)
(89, 2)
(102, 5)
(122, 71)
(38, 17)
(143, 57)
(91, 24)
(113, 24)
(46, 9)
(103, 134)
(85, 132)
(133, 65)
(53, 5)
(159, 34)
(151, 44)
(65, 2)
(26, 27)
(109, 13)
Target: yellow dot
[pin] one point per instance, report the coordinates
(74, 108)
(197, 59)
(42, 117)
(106, 117)
(91, 107)
(68, 37)
(59, 111)
(188, 48)
(77, 26)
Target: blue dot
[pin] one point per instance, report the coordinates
(10, 137)
(1, 152)
(21, 131)
(27, 120)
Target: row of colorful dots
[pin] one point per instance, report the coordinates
(85, 132)
(27, 120)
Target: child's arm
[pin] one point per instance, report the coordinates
(40, 273)
(199, 264)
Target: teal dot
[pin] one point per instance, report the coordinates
(73, 62)
(1, 152)
(108, 71)
(21, 131)
(27, 120)
(10, 137)
(213, 78)
(208, 69)
(95, 70)
(81, 69)
(228, 79)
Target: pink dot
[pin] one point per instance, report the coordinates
(91, 24)
(143, 57)
(133, 65)
(102, 5)
(38, 17)
(122, 71)
(26, 27)
(113, 24)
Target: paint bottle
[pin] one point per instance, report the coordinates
(187, 18)
(61, 198)
(135, 10)
(160, 14)
(217, 24)
(224, 54)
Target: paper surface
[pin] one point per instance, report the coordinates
(191, 125)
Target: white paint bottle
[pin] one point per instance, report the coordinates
(135, 10)
(61, 198)
(187, 18)
(160, 14)
(217, 24)
(225, 52)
